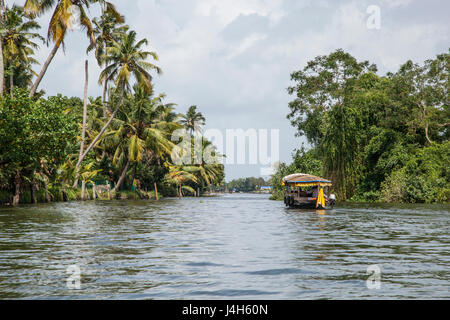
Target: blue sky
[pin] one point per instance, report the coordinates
(233, 58)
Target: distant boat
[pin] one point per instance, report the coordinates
(266, 189)
(307, 191)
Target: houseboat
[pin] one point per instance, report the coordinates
(307, 191)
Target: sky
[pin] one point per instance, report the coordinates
(233, 58)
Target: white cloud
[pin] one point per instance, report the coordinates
(396, 3)
(240, 80)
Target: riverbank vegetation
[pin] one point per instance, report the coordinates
(378, 138)
(60, 148)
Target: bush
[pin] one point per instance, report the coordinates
(424, 179)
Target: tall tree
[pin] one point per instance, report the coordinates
(2, 66)
(83, 126)
(193, 120)
(107, 29)
(125, 59)
(19, 45)
(323, 111)
(66, 14)
(137, 133)
(425, 91)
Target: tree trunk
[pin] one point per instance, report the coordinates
(16, 198)
(133, 174)
(94, 191)
(47, 194)
(33, 189)
(105, 90)
(46, 64)
(2, 66)
(32, 194)
(83, 190)
(426, 134)
(101, 131)
(122, 176)
(109, 191)
(156, 192)
(83, 130)
(64, 193)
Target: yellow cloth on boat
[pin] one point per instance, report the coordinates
(320, 199)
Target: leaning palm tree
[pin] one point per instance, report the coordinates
(18, 43)
(125, 59)
(179, 175)
(66, 14)
(209, 170)
(193, 120)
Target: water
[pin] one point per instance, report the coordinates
(228, 247)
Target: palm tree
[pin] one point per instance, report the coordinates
(209, 170)
(137, 133)
(107, 29)
(85, 111)
(2, 66)
(18, 45)
(65, 15)
(125, 58)
(179, 175)
(193, 120)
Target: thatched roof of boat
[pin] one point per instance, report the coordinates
(304, 178)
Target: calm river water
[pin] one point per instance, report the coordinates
(226, 247)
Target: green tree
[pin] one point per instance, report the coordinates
(324, 112)
(33, 132)
(19, 46)
(193, 120)
(66, 14)
(107, 30)
(125, 59)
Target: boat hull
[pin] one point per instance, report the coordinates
(305, 203)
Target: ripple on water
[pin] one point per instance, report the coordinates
(232, 246)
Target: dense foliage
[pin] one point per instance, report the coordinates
(50, 147)
(379, 138)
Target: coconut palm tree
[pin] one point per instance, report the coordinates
(18, 44)
(209, 171)
(2, 66)
(180, 175)
(137, 134)
(125, 59)
(107, 29)
(66, 14)
(193, 120)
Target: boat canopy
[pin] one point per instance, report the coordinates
(305, 180)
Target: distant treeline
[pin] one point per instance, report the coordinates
(247, 184)
(378, 138)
